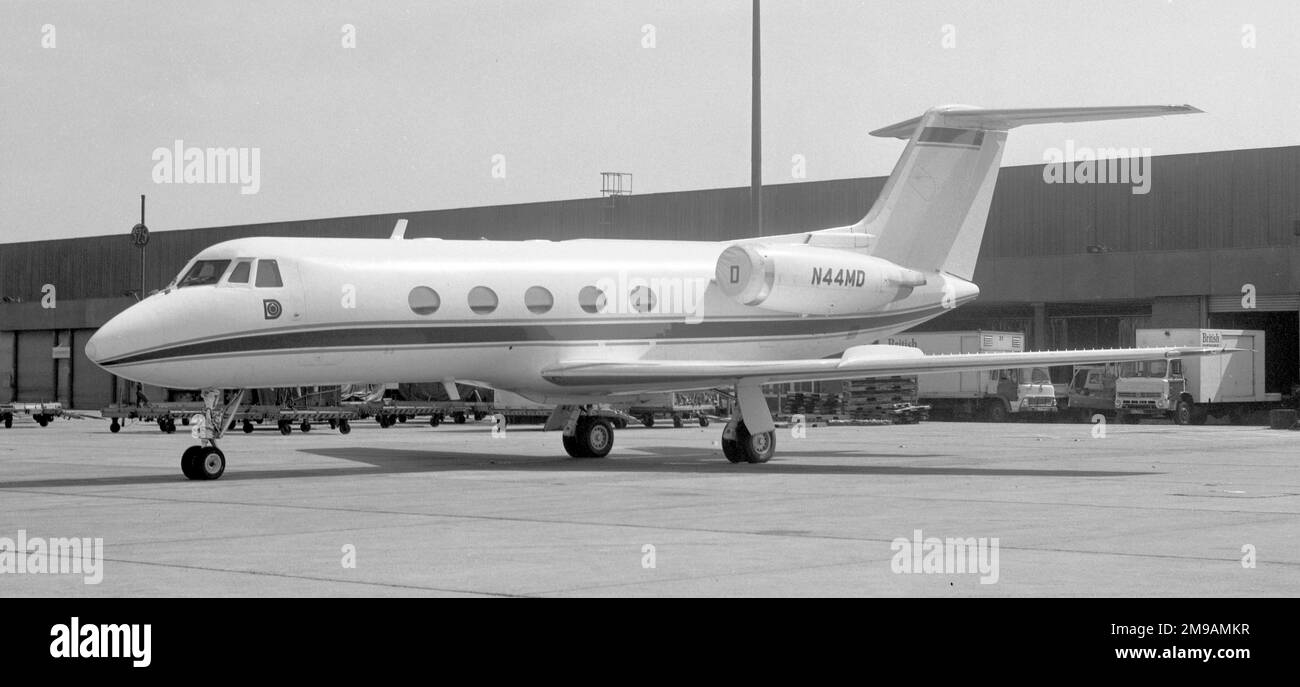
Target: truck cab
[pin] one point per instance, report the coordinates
(1025, 390)
(1092, 389)
(1155, 388)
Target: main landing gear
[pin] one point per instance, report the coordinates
(740, 445)
(206, 461)
(749, 437)
(586, 435)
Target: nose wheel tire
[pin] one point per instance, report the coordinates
(203, 463)
(749, 448)
(592, 438)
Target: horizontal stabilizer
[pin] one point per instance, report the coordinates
(1002, 120)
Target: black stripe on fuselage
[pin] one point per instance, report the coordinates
(503, 334)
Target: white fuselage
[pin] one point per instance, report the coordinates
(346, 312)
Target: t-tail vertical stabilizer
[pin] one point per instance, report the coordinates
(931, 213)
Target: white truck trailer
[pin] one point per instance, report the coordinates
(1190, 390)
(992, 395)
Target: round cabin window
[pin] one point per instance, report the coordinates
(423, 300)
(482, 300)
(538, 300)
(591, 299)
(642, 299)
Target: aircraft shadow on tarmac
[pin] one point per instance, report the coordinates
(382, 461)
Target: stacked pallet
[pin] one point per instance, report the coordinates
(811, 404)
(878, 398)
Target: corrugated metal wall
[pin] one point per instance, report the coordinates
(7, 369)
(92, 387)
(1230, 199)
(36, 366)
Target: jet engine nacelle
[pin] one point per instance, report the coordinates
(808, 280)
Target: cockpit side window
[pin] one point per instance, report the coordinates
(240, 274)
(268, 274)
(204, 273)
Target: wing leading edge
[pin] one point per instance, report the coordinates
(859, 361)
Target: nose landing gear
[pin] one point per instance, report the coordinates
(205, 461)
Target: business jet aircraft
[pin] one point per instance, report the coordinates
(581, 322)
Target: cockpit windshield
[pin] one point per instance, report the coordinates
(204, 273)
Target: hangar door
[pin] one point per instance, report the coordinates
(1279, 317)
(92, 387)
(35, 366)
(6, 367)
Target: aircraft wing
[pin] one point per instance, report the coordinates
(857, 362)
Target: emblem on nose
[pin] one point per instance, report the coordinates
(271, 309)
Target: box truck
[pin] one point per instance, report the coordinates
(1190, 390)
(992, 395)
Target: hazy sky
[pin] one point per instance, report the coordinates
(411, 118)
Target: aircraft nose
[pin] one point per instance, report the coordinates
(114, 339)
(102, 344)
(92, 348)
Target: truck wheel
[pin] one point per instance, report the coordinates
(648, 420)
(1182, 414)
(995, 411)
(677, 421)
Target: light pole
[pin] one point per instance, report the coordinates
(140, 239)
(756, 132)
